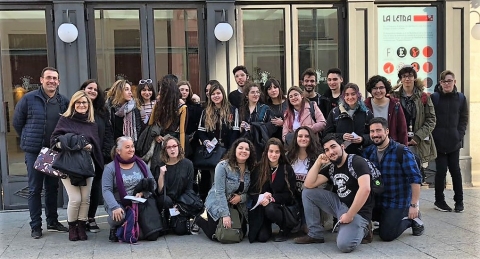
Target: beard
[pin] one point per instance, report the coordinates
(309, 87)
(379, 143)
(337, 161)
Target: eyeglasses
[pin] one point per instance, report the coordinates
(81, 103)
(171, 147)
(145, 81)
(447, 81)
(407, 76)
(378, 88)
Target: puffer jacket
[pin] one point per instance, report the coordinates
(30, 119)
(424, 122)
(452, 119)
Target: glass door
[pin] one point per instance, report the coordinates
(26, 44)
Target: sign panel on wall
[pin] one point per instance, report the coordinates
(408, 36)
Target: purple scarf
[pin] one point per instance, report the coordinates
(118, 174)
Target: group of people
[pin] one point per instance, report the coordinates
(319, 155)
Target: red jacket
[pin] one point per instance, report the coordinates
(396, 120)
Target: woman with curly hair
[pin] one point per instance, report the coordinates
(350, 120)
(275, 179)
(252, 108)
(146, 98)
(95, 93)
(124, 114)
(387, 107)
(232, 180)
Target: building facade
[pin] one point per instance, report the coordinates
(136, 40)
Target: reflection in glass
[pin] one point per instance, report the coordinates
(264, 44)
(176, 45)
(23, 55)
(117, 35)
(318, 42)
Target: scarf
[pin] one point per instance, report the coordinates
(80, 116)
(409, 104)
(118, 174)
(129, 120)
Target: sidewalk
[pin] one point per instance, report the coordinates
(447, 235)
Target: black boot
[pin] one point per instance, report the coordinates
(282, 235)
(113, 235)
(82, 235)
(73, 231)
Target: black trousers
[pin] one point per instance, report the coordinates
(273, 214)
(209, 226)
(452, 162)
(95, 193)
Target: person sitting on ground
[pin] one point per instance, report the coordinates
(275, 179)
(352, 204)
(397, 207)
(232, 180)
(120, 177)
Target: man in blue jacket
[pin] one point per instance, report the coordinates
(35, 118)
(397, 208)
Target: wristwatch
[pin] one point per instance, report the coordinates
(413, 205)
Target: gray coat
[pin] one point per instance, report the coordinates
(227, 181)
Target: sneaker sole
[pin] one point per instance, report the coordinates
(56, 230)
(458, 211)
(442, 210)
(94, 230)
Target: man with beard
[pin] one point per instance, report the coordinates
(331, 97)
(352, 203)
(397, 207)
(309, 83)
(241, 76)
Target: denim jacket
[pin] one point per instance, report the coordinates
(227, 181)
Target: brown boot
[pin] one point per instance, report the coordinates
(82, 234)
(367, 239)
(73, 231)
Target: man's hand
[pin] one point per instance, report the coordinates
(413, 212)
(345, 218)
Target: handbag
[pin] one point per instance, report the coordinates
(189, 204)
(44, 163)
(149, 220)
(291, 215)
(233, 234)
(206, 161)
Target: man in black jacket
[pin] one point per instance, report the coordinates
(331, 97)
(452, 118)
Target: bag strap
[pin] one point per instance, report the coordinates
(350, 166)
(400, 148)
(312, 111)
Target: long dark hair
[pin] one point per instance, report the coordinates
(290, 112)
(264, 164)
(313, 149)
(99, 102)
(231, 155)
(272, 82)
(150, 87)
(166, 110)
(190, 93)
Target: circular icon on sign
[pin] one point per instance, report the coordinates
(428, 82)
(400, 66)
(388, 68)
(415, 66)
(414, 52)
(427, 51)
(427, 67)
(401, 52)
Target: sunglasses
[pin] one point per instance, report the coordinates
(145, 81)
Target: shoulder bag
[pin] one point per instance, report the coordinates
(233, 234)
(44, 163)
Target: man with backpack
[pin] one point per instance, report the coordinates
(352, 203)
(452, 119)
(397, 208)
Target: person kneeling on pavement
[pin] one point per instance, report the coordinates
(396, 208)
(352, 204)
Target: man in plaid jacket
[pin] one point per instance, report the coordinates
(397, 207)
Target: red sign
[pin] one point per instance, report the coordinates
(427, 67)
(423, 18)
(427, 51)
(388, 68)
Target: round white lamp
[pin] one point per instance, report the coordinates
(67, 32)
(476, 28)
(223, 31)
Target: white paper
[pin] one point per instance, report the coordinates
(355, 136)
(133, 198)
(173, 212)
(260, 199)
(213, 143)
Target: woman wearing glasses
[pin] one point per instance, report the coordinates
(174, 176)
(123, 110)
(387, 107)
(79, 119)
(146, 98)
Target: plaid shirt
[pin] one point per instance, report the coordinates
(397, 178)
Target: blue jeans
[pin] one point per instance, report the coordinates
(36, 181)
(349, 235)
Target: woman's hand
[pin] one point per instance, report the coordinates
(267, 195)
(236, 199)
(88, 147)
(163, 169)
(227, 222)
(159, 139)
(139, 195)
(195, 98)
(277, 121)
(347, 137)
(117, 214)
(265, 201)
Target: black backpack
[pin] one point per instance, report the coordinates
(400, 148)
(376, 182)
